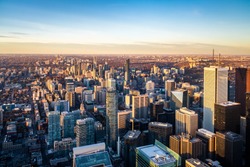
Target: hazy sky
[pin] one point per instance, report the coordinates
(125, 26)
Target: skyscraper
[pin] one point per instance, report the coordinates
(169, 86)
(215, 91)
(180, 98)
(186, 146)
(208, 140)
(132, 139)
(150, 86)
(70, 96)
(186, 121)
(227, 117)
(54, 130)
(61, 105)
(111, 118)
(85, 132)
(127, 71)
(160, 131)
(67, 123)
(140, 106)
(123, 117)
(229, 148)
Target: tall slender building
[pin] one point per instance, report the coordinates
(186, 121)
(111, 118)
(140, 105)
(54, 130)
(85, 132)
(127, 71)
(215, 91)
(242, 86)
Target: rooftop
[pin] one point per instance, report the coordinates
(157, 155)
(206, 132)
(187, 111)
(132, 134)
(95, 159)
(197, 162)
(228, 103)
(160, 124)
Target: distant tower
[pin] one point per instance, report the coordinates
(127, 71)
(85, 132)
(111, 118)
(94, 62)
(215, 91)
(54, 132)
(213, 54)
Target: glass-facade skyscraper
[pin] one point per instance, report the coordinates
(54, 130)
(111, 118)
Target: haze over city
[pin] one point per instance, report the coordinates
(125, 83)
(125, 27)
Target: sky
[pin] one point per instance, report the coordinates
(125, 26)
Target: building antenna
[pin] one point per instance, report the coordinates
(213, 54)
(219, 60)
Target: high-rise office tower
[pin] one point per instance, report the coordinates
(132, 139)
(70, 87)
(215, 91)
(247, 129)
(111, 118)
(111, 83)
(229, 148)
(180, 98)
(227, 116)
(1, 116)
(208, 140)
(54, 130)
(140, 105)
(127, 71)
(155, 109)
(61, 105)
(85, 132)
(100, 71)
(150, 87)
(169, 86)
(67, 123)
(186, 147)
(123, 117)
(156, 155)
(240, 88)
(70, 96)
(160, 131)
(94, 62)
(186, 121)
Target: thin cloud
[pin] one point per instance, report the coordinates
(7, 36)
(19, 33)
